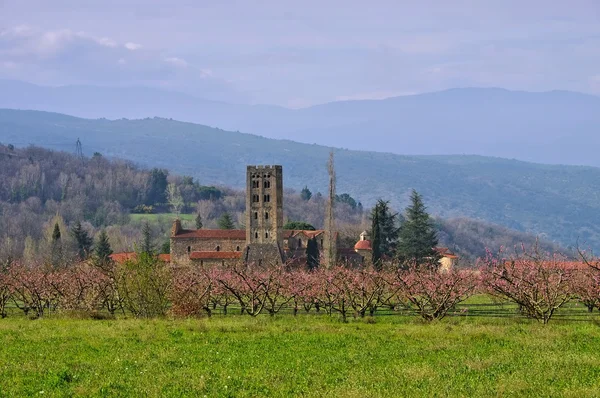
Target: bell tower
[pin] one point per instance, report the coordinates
(264, 213)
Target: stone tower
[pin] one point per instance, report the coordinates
(264, 214)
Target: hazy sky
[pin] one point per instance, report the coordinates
(299, 53)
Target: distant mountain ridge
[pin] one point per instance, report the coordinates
(560, 202)
(557, 127)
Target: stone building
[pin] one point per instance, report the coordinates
(264, 241)
(264, 214)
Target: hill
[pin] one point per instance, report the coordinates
(546, 127)
(561, 202)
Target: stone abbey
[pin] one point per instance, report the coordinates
(264, 241)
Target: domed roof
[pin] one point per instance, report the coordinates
(363, 245)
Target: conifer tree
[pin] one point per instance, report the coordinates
(384, 231)
(376, 240)
(102, 249)
(82, 240)
(56, 233)
(198, 220)
(147, 246)
(305, 194)
(225, 222)
(312, 254)
(56, 247)
(418, 237)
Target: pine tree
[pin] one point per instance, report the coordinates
(82, 240)
(198, 220)
(312, 254)
(147, 246)
(418, 237)
(225, 222)
(102, 249)
(56, 248)
(384, 231)
(305, 194)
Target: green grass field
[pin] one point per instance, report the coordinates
(163, 217)
(308, 355)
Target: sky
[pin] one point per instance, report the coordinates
(301, 53)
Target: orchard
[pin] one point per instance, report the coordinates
(145, 287)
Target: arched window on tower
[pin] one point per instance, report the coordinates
(256, 215)
(255, 198)
(256, 235)
(266, 215)
(267, 198)
(267, 184)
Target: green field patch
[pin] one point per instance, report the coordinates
(161, 217)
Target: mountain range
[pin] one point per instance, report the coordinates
(560, 203)
(556, 127)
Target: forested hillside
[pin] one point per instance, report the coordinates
(40, 188)
(562, 202)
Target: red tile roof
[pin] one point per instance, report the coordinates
(214, 255)
(234, 234)
(363, 245)
(445, 252)
(122, 257)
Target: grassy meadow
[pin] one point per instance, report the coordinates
(162, 217)
(308, 355)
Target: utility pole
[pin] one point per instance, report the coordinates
(78, 149)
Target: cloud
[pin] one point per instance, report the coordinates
(27, 41)
(105, 41)
(66, 56)
(177, 62)
(132, 46)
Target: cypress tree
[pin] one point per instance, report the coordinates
(102, 249)
(56, 246)
(83, 241)
(198, 220)
(312, 254)
(418, 237)
(376, 240)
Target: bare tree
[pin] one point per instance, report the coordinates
(330, 246)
